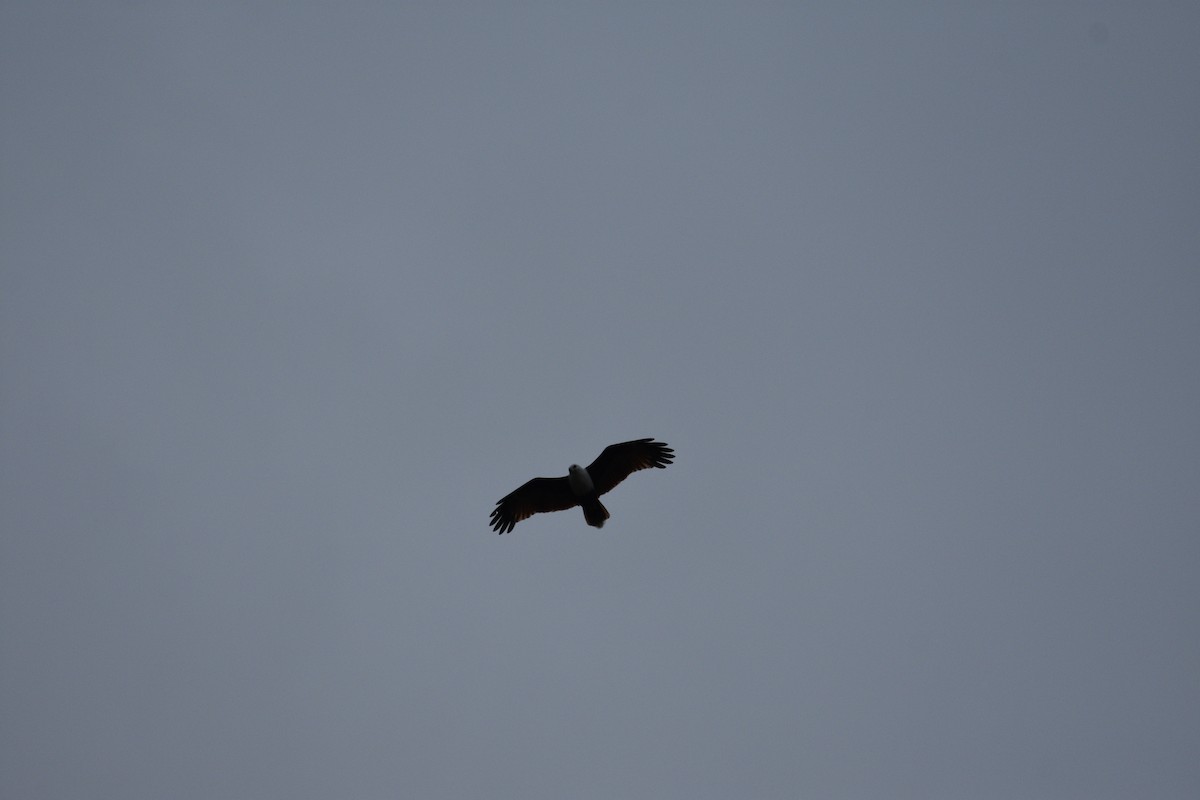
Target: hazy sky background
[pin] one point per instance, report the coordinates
(292, 293)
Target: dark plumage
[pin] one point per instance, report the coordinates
(580, 487)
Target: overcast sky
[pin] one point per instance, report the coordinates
(291, 293)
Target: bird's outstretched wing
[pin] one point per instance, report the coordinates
(534, 497)
(619, 461)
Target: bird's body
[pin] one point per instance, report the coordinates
(581, 487)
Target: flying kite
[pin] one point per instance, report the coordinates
(581, 487)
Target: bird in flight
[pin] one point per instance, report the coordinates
(581, 487)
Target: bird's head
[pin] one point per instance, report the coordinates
(581, 482)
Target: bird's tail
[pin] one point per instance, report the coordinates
(595, 513)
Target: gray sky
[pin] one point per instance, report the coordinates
(293, 293)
